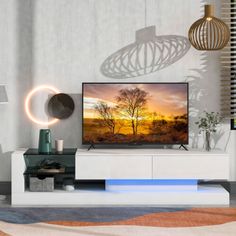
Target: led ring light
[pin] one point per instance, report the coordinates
(27, 102)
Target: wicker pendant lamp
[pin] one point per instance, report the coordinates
(209, 33)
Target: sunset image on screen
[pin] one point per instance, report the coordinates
(135, 113)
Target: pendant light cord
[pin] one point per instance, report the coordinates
(145, 13)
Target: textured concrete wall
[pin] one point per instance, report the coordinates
(64, 42)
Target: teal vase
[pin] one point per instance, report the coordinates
(45, 142)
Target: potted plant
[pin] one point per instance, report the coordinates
(208, 124)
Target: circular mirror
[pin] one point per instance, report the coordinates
(61, 106)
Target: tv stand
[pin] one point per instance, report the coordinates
(182, 146)
(91, 146)
(133, 177)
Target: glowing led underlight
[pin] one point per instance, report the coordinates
(27, 103)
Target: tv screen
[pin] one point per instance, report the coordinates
(135, 113)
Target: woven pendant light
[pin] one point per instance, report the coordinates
(209, 33)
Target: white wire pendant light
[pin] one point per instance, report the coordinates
(149, 53)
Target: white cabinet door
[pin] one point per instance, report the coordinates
(191, 167)
(113, 167)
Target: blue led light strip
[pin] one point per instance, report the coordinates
(151, 182)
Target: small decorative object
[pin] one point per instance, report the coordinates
(208, 124)
(3, 94)
(59, 145)
(68, 184)
(61, 106)
(68, 187)
(209, 33)
(45, 143)
(50, 166)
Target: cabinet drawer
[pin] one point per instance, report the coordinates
(113, 167)
(191, 167)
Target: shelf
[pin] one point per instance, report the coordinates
(205, 195)
(33, 160)
(35, 171)
(66, 151)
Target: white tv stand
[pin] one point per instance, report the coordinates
(139, 165)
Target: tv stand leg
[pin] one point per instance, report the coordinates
(91, 146)
(182, 146)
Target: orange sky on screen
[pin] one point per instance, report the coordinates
(166, 99)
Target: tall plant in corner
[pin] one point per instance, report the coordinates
(208, 124)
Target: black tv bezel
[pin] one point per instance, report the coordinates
(133, 143)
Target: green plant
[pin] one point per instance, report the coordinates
(209, 122)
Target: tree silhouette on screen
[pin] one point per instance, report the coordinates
(107, 114)
(132, 104)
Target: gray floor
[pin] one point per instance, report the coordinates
(7, 202)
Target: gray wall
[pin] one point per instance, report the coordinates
(64, 42)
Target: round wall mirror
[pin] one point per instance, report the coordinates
(61, 106)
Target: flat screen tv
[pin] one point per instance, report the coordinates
(135, 113)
